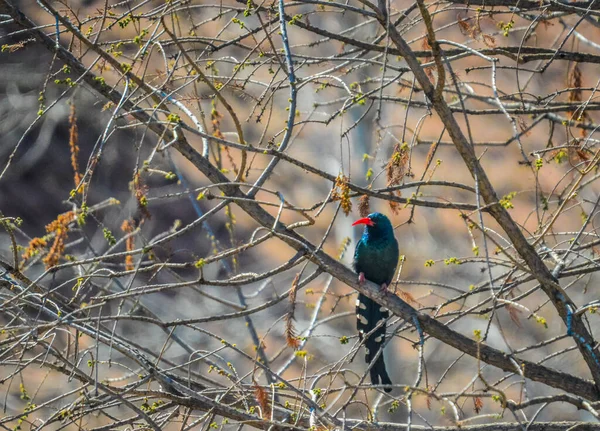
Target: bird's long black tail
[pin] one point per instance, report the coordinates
(368, 315)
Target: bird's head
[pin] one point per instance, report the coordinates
(376, 224)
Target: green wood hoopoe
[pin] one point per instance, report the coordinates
(375, 259)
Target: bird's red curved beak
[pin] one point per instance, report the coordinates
(365, 220)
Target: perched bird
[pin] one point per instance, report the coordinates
(375, 259)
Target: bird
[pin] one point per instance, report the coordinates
(375, 259)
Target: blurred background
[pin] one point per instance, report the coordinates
(358, 111)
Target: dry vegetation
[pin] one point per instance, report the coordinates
(177, 184)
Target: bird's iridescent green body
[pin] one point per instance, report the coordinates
(376, 257)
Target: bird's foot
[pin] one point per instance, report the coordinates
(383, 288)
(361, 278)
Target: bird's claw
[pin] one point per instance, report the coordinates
(361, 280)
